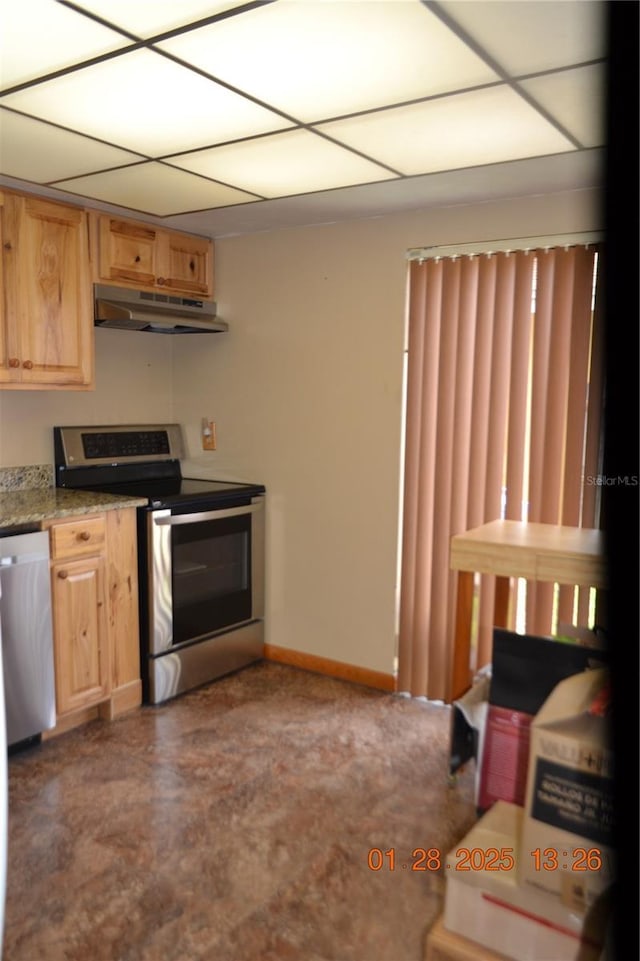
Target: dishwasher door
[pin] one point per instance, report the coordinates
(27, 635)
(4, 802)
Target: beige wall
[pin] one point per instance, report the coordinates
(306, 391)
(133, 382)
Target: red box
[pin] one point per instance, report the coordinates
(505, 757)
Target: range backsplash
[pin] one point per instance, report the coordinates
(35, 477)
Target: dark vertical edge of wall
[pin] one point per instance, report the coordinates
(620, 492)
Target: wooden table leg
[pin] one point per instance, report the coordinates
(460, 671)
(501, 602)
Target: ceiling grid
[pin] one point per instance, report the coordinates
(183, 110)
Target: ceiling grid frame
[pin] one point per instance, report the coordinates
(372, 151)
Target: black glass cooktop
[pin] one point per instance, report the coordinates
(182, 491)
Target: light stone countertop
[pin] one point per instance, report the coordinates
(39, 504)
(28, 495)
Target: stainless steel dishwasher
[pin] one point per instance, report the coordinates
(27, 634)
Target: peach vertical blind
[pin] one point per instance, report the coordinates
(504, 413)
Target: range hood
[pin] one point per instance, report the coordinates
(127, 309)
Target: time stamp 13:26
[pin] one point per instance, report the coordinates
(485, 859)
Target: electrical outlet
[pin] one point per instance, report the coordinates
(208, 435)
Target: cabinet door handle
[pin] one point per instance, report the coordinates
(160, 280)
(63, 575)
(28, 364)
(14, 362)
(84, 536)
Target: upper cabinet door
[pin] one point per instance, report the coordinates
(48, 322)
(189, 264)
(9, 347)
(150, 258)
(128, 252)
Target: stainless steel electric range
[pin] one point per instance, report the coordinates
(201, 551)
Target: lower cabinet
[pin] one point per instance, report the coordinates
(81, 642)
(95, 616)
(122, 611)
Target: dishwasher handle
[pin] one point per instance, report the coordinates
(10, 560)
(25, 548)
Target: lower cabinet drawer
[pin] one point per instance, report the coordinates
(78, 537)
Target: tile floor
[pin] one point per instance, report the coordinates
(234, 824)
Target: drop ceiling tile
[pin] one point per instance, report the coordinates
(152, 17)
(282, 164)
(154, 188)
(144, 102)
(337, 57)
(481, 127)
(316, 60)
(581, 169)
(39, 36)
(577, 99)
(40, 152)
(529, 35)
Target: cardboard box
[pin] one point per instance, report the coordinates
(442, 945)
(488, 904)
(568, 823)
(525, 670)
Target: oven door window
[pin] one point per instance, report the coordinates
(211, 576)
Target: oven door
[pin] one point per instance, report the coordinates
(206, 573)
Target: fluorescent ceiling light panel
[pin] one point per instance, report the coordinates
(485, 126)
(40, 36)
(412, 94)
(144, 102)
(39, 152)
(317, 60)
(577, 99)
(147, 18)
(154, 188)
(293, 162)
(529, 35)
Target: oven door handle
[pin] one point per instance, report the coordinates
(197, 518)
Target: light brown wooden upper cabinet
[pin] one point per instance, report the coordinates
(146, 257)
(46, 309)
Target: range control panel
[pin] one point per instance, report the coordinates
(125, 444)
(129, 443)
